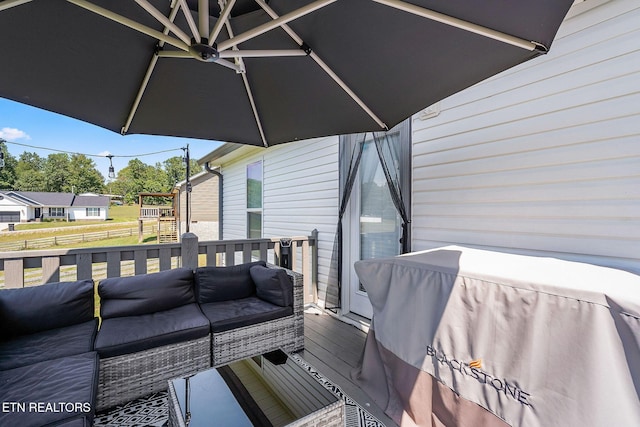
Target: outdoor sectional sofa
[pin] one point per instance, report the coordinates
(48, 366)
(154, 327)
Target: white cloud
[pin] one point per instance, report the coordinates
(104, 153)
(12, 134)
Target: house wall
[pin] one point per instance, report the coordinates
(9, 205)
(543, 159)
(204, 207)
(300, 194)
(80, 214)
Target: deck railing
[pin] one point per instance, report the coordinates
(156, 212)
(28, 268)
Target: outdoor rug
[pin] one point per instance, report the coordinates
(152, 410)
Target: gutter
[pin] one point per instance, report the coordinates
(220, 198)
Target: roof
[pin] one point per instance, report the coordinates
(35, 198)
(192, 178)
(91, 201)
(223, 150)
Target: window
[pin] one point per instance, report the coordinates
(57, 212)
(254, 200)
(93, 211)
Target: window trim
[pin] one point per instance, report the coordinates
(59, 212)
(96, 211)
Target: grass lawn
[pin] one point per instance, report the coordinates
(120, 217)
(117, 214)
(116, 241)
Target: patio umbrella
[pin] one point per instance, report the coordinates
(256, 71)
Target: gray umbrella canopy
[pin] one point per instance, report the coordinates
(260, 72)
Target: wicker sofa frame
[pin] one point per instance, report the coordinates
(131, 376)
(286, 333)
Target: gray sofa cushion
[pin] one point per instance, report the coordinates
(228, 315)
(72, 422)
(126, 335)
(72, 379)
(273, 285)
(47, 345)
(145, 293)
(215, 284)
(34, 309)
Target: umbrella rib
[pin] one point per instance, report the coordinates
(106, 13)
(247, 87)
(147, 77)
(8, 4)
(164, 20)
(324, 66)
(254, 108)
(277, 22)
(189, 17)
(461, 24)
(265, 53)
(222, 19)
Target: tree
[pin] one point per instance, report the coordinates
(7, 173)
(56, 172)
(29, 172)
(138, 177)
(176, 170)
(83, 175)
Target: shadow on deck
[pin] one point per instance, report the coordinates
(334, 348)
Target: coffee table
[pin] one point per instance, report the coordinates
(268, 390)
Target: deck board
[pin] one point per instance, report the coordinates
(334, 348)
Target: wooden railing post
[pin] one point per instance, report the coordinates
(314, 266)
(189, 250)
(14, 273)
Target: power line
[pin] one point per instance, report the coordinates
(91, 155)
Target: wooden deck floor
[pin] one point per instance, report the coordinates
(334, 348)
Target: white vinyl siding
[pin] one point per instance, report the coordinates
(79, 213)
(300, 194)
(542, 159)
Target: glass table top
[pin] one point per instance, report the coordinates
(267, 390)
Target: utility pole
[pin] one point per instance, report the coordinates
(187, 161)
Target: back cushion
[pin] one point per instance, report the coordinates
(145, 293)
(273, 285)
(39, 308)
(216, 284)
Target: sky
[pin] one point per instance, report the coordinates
(26, 125)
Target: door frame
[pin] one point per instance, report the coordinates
(351, 234)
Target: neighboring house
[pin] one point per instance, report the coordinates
(203, 202)
(24, 206)
(543, 159)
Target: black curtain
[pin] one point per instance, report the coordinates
(390, 157)
(390, 160)
(353, 152)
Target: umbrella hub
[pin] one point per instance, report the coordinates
(203, 52)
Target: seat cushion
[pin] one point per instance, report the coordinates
(126, 335)
(47, 345)
(215, 284)
(145, 293)
(34, 309)
(51, 391)
(72, 422)
(273, 285)
(228, 315)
